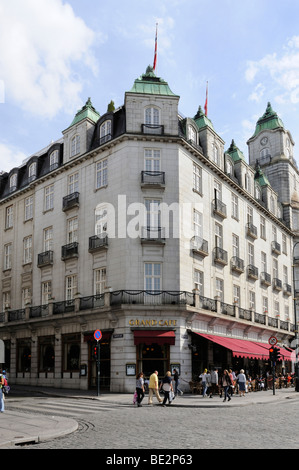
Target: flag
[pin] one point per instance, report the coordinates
(156, 42)
(206, 103)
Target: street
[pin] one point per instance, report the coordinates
(122, 426)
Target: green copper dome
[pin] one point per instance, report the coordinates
(150, 84)
(87, 111)
(235, 153)
(202, 120)
(260, 177)
(268, 121)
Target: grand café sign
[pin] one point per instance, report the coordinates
(152, 322)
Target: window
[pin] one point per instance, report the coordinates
(250, 254)
(152, 116)
(236, 245)
(153, 213)
(199, 281)
(27, 250)
(275, 268)
(263, 227)
(285, 275)
(7, 256)
(48, 239)
(229, 168)
(152, 276)
(13, 182)
(32, 172)
(26, 296)
(236, 295)
(101, 174)
(192, 134)
(54, 156)
(73, 183)
(265, 304)
(218, 235)
(6, 301)
(197, 179)
(75, 145)
(152, 159)
(265, 153)
(249, 215)
(9, 217)
(29, 208)
(70, 287)
(235, 207)
(105, 132)
(274, 234)
(272, 206)
(101, 219)
(264, 262)
(248, 182)
(252, 299)
(217, 190)
(276, 308)
(99, 281)
(49, 197)
(258, 193)
(219, 289)
(72, 230)
(216, 156)
(46, 292)
(284, 244)
(197, 223)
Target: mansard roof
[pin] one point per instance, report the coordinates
(86, 112)
(269, 121)
(150, 84)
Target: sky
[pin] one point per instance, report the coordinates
(55, 54)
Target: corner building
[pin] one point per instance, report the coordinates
(139, 223)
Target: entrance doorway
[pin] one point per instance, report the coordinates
(151, 357)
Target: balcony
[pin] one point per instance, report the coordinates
(251, 230)
(219, 208)
(237, 264)
(275, 248)
(98, 243)
(70, 251)
(152, 179)
(70, 201)
(45, 259)
(287, 289)
(265, 279)
(252, 272)
(153, 234)
(154, 129)
(220, 256)
(277, 284)
(199, 246)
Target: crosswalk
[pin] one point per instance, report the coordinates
(66, 407)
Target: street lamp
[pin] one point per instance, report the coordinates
(295, 317)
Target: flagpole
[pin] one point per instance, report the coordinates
(206, 103)
(156, 44)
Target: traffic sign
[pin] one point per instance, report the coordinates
(272, 340)
(97, 335)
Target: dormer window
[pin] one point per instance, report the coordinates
(216, 158)
(248, 182)
(192, 134)
(54, 160)
(32, 172)
(13, 182)
(75, 145)
(152, 121)
(265, 153)
(229, 167)
(105, 132)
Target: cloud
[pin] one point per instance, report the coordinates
(280, 71)
(41, 42)
(11, 156)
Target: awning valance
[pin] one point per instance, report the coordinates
(245, 348)
(154, 336)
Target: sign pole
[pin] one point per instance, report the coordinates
(98, 336)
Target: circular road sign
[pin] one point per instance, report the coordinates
(272, 340)
(97, 335)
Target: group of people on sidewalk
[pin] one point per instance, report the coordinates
(154, 387)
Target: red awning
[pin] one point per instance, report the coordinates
(285, 354)
(154, 336)
(240, 347)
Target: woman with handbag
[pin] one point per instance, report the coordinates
(167, 387)
(140, 388)
(226, 383)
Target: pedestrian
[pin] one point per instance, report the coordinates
(214, 382)
(226, 383)
(167, 387)
(241, 378)
(232, 377)
(153, 388)
(203, 378)
(176, 383)
(1, 394)
(140, 388)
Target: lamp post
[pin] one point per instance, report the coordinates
(295, 318)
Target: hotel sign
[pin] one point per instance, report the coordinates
(151, 322)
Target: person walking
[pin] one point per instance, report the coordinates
(153, 388)
(1, 394)
(167, 387)
(241, 378)
(203, 378)
(140, 388)
(214, 382)
(176, 383)
(226, 383)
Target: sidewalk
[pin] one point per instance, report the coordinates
(18, 428)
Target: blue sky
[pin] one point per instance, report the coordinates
(54, 54)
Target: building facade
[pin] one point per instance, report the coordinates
(139, 223)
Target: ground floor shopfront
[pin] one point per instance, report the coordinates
(59, 351)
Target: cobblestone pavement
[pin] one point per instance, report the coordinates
(113, 426)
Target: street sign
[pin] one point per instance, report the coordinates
(272, 340)
(97, 335)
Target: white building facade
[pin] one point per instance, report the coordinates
(140, 224)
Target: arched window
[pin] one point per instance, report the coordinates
(105, 132)
(75, 145)
(265, 153)
(13, 182)
(229, 167)
(32, 172)
(54, 160)
(216, 158)
(152, 116)
(192, 134)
